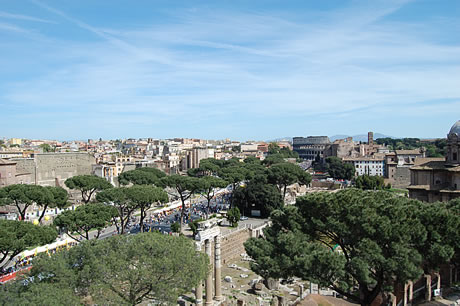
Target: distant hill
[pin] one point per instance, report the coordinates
(362, 138)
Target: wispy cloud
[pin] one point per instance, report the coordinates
(23, 17)
(216, 68)
(12, 28)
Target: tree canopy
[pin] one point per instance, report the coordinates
(143, 197)
(185, 186)
(93, 216)
(338, 169)
(46, 148)
(24, 196)
(436, 148)
(372, 239)
(17, 236)
(367, 182)
(285, 174)
(125, 270)
(208, 184)
(233, 216)
(141, 176)
(259, 196)
(119, 199)
(88, 185)
(37, 293)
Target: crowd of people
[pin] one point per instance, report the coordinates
(162, 221)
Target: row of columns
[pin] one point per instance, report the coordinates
(209, 279)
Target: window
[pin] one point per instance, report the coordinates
(454, 156)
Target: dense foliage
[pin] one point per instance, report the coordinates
(121, 270)
(17, 236)
(24, 196)
(233, 216)
(257, 195)
(284, 174)
(92, 216)
(436, 148)
(368, 182)
(88, 185)
(141, 176)
(337, 169)
(359, 243)
(185, 186)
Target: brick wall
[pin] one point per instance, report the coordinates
(232, 244)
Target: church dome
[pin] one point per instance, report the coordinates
(455, 129)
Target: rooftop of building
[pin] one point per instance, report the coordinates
(365, 158)
(436, 165)
(408, 152)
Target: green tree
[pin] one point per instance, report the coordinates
(46, 147)
(118, 197)
(37, 293)
(285, 174)
(185, 186)
(17, 236)
(175, 227)
(273, 148)
(233, 175)
(143, 197)
(127, 270)
(257, 195)
(233, 216)
(367, 182)
(88, 185)
(352, 237)
(24, 196)
(338, 169)
(93, 216)
(208, 186)
(141, 176)
(273, 159)
(59, 199)
(442, 221)
(208, 167)
(236, 149)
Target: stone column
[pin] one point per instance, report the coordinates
(438, 284)
(217, 268)
(393, 299)
(428, 287)
(405, 298)
(199, 288)
(411, 292)
(207, 246)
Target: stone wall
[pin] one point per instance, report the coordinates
(232, 244)
(401, 177)
(52, 169)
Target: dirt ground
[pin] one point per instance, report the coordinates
(240, 287)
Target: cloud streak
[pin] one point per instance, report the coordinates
(23, 17)
(206, 71)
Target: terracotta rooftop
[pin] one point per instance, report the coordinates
(407, 152)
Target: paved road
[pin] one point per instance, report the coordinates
(162, 222)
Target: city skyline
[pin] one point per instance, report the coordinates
(258, 70)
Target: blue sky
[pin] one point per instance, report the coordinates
(228, 69)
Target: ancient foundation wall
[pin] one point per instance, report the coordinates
(232, 244)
